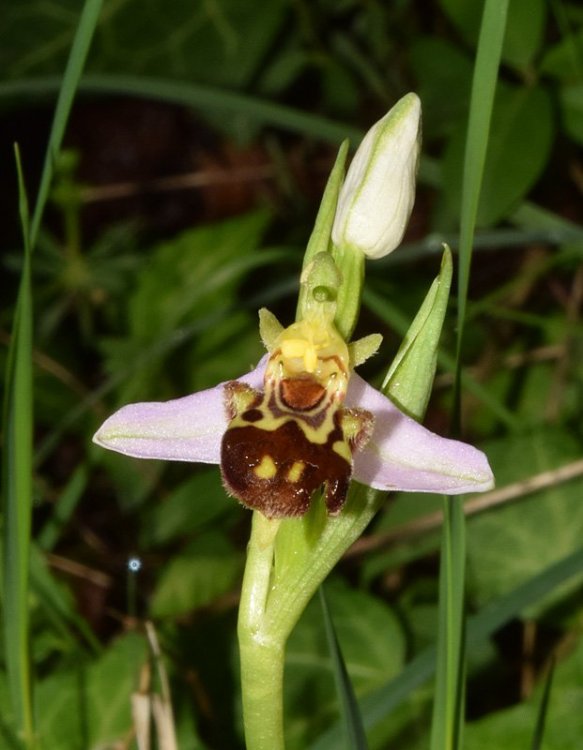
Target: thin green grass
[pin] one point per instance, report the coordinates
(481, 105)
(17, 488)
(194, 95)
(67, 89)
(58, 607)
(17, 463)
(63, 510)
(537, 740)
(352, 720)
(448, 708)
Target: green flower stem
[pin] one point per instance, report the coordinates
(261, 652)
(262, 678)
(276, 590)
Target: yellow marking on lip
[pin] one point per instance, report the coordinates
(342, 449)
(295, 473)
(266, 469)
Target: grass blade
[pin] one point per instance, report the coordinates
(194, 95)
(17, 460)
(58, 607)
(481, 104)
(448, 708)
(67, 88)
(63, 510)
(17, 487)
(537, 740)
(354, 730)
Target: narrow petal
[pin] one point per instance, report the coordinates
(184, 429)
(403, 455)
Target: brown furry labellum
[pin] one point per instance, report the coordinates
(295, 437)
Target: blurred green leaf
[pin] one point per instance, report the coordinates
(187, 732)
(379, 703)
(16, 485)
(355, 734)
(444, 77)
(59, 608)
(220, 43)
(539, 731)
(134, 480)
(63, 509)
(341, 89)
(526, 391)
(571, 102)
(187, 274)
(520, 141)
(508, 545)
(237, 335)
(524, 29)
(8, 729)
(193, 504)
(373, 646)
(465, 16)
(403, 508)
(565, 59)
(207, 568)
(514, 727)
(198, 270)
(86, 704)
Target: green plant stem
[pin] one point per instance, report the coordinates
(448, 713)
(17, 490)
(261, 651)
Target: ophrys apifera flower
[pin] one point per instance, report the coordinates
(301, 420)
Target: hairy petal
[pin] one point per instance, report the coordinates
(403, 455)
(184, 429)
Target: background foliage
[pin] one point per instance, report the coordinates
(193, 165)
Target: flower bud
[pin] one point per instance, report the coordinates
(377, 196)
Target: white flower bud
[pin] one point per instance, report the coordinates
(377, 196)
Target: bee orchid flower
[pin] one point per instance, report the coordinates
(300, 421)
